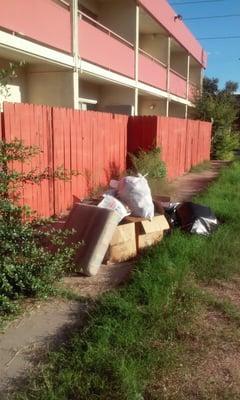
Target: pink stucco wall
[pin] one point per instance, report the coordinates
(152, 73)
(102, 48)
(178, 85)
(163, 12)
(42, 20)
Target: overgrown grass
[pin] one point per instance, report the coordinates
(132, 331)
(204, 166)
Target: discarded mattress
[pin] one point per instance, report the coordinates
(94, 227)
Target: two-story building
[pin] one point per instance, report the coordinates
(123, 56)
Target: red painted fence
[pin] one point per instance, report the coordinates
(183, 143)
(95, 144)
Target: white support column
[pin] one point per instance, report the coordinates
(201, 80)
(168, 72)
(188, 75)
(186, 111)
(168, 63)
(167, 108)
(136, 60)
(74, 21)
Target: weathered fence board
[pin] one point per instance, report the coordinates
(183, 143)
(96, 145)
(92, 143)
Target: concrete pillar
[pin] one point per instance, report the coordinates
(186, 111)
(201, 82)
(136, 60)
(168, 64)
(188, 75)
(167, 108)
(75, 51)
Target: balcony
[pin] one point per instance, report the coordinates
(152, 71)
(105, 48)
(165, 15)
(178, 84)
(45, 21)
(193, 91)
(195, 73)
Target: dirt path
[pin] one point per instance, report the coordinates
(190, 184)
(27, 340)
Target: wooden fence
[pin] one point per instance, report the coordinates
(183, 143)
(95, 144)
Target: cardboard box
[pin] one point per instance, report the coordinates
(123, 244)
(151, 232)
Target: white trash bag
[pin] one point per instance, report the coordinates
(111, 203)
(135, 192)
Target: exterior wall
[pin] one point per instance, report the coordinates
(147, 106)
(176, 110)
(50, 87)
(156, 45)
(120, 17)
(117, 99)
(89, 90)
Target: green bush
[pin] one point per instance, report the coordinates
(148, 162)
(224, 142)
(220, 107)
(27, 266)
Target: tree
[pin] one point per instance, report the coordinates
(7, 75)
(210, 86)
(231, 87)
(219, 107)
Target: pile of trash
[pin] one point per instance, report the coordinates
(128, 220)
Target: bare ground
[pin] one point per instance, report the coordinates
(208, 365)
(210, 360)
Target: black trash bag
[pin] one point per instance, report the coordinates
(195, 218)
(171, 214)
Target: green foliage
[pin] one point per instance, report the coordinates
(204, 166)
(148, 162)
(219, 107)
(132, 331)
(7, 75)
(224, 142)
(31, 257)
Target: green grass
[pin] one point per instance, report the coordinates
(132, 331)
(204, 166)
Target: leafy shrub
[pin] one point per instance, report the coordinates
(224, 142)
(31, 257)
(220, 107)
(148, 162)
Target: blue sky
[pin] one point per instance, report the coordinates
(223, 55)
